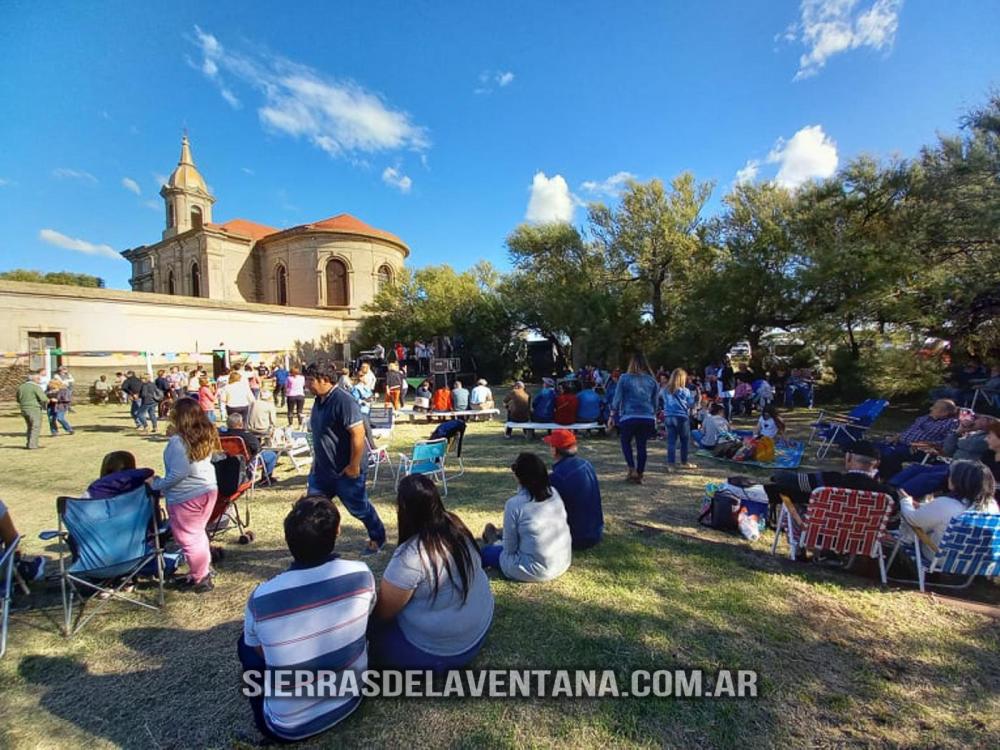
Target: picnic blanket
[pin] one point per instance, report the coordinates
(787, 453)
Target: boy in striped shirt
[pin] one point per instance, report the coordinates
(313, 616)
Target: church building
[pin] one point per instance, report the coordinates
(335, 264)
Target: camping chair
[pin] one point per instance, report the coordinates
(992, 398)
(428, 457)
(847, 522)
(831, 426)
(8, 563)
(454, 432)
(236, 446)
(378, 455)
(382, 419)
(300, 446)
(970, 547)
(234, 481)
(104, 546)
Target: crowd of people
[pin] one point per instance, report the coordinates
(433, 607)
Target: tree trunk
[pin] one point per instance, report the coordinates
(657, 293)
(855, 347)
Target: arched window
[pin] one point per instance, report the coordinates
(281, 284)
(384, 277)
(195, 280)
(195, 217)
(170, 215)
(170, 282)
(336, 284)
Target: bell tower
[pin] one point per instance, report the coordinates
(188, 202)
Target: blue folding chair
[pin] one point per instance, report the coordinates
(105, 545)
(970, 547)
(428, 457)
(8, 561)
(832, 427)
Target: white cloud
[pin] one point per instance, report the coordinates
(247, 170)
(395, 178)
(829, 27)
(5, 182)
(490, 78)
(807, 155)
(160, 180)
(748, 173)
(65, 173)
(153, 205)
(550, 201)
(81, 246)
(131, 185)
(339, 117)
(609, 188)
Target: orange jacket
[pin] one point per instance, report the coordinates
(441, 400)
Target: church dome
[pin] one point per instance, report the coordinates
(186, 176)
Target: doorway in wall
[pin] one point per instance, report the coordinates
(37, 344)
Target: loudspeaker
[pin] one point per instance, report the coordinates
(441, 366)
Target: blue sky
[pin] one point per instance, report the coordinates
(449, 123)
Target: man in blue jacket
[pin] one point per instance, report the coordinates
(588, 405)
(543, 406)
(576, 481)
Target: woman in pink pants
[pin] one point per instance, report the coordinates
(190, 488)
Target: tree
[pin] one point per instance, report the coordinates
(65, 278)
(655, 235)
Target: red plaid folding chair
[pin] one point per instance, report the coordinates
(847, 522)
(236, 476)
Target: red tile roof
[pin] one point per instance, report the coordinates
(350, 225)
(245, 228)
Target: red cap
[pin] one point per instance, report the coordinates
(560, 439)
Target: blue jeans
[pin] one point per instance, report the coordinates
(892, 456)
(918, 480)
(134, 411)
(678, 429)
(490, 554)
(639, 429)
(58, 418)
(388, 648)
(354, 496)
(727, 406)
(147, 413)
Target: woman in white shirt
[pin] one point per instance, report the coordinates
(238, 396)
(971, 487)
(770, 424)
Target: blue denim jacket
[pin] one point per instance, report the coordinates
(635, 397)
(676, 404)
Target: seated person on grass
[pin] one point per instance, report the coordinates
(315, 613)
(536, 544)
(576, 482)
(434, 605)
(518, 405)
(926, 432)
(589, 405)
(770, 424)
(102, 389)
(543, 406)
(967, 443)
(971, 487)
(861, 466)
(481, 397)
(715, 426)
(234, 428)
(118, 476)
(566, 404)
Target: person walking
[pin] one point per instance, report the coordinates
(295, 395)
(677, 401)
(634, 413)
(59, 400)
(340, 453)
(150, 397)
(31, 399)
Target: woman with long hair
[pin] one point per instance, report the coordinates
(536, 542)
(434, 603)
(189, 487)
(295, 395)
(677, 401)
(238, 395)
(971, 486)
(60, 398)
(207, 398)
(633, 410)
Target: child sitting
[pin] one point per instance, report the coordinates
(715, 426)
(118, 476)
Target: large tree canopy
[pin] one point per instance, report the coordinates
(65, 278)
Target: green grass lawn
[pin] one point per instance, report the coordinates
(841, 660)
